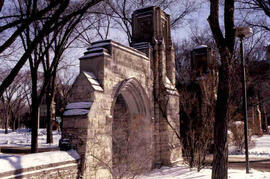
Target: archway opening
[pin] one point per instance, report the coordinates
(120, 132)
(131, 130)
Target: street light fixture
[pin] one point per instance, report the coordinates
(244, 32)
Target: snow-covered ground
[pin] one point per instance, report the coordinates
(260, 149)
(262, 145)
(183, 172)
(22, 138)
(10, 162)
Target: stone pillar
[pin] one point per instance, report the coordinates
(264, 119)
(253, 115)
(170, 64)
(162, 61)
(258, 121)
(157, 113)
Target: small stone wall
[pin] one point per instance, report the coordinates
(51, 165)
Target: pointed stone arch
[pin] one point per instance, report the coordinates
(131, 129)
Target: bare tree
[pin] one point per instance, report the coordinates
(197, 99)
(256, 13)
(1, 4)
(12, 101)
(225, 45)
(55, 41)
(31, 13)
(122, 10)
(96, 25)
(52, 16)
(262, 5)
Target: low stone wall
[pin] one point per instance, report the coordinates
(57, 164)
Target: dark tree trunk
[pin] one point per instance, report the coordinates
(226, 49)
(35, 113)
(49, 102)
(50, 95)
(14, 126)
(1, 4)
(13, 122)
(34, 119)
(220, 161)
(6, 125)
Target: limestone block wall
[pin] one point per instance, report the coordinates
(78, 91)
(126, 63)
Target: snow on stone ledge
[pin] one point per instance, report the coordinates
(200, 47)
(77, 108)
(79, 105)
(76, 112)
(93, 81)
(33, 160)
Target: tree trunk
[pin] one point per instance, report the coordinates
(34, 114)
(226, 49)
(34, 119)
(220, 160)
(49, 102)
(13, 124)
(1, 4)
(6, 125)
(50, 94)
(264, 120)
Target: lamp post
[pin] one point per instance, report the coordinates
(244, 32)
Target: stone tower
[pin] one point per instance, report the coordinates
(151, 28)
(152, 35)
(203, 61)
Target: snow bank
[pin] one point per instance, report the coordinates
(22, 138)
(260, 149)
(180, 172)
(11, 163)
(262, 145)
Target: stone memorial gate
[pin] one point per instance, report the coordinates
(123, 113)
